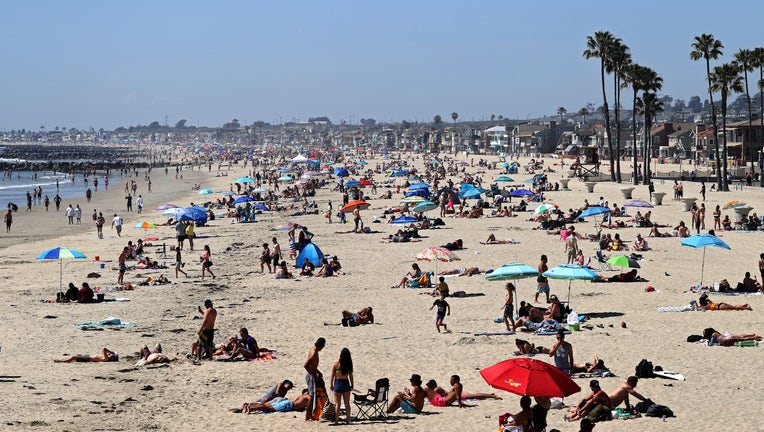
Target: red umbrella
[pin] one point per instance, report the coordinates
(527, 376)
(349, 207)
(365, 182)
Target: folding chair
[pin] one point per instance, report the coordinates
(602, 259)
(374, 403)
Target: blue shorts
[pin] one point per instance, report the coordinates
(543, 287)
(283, 406)
(341, 385)
(408, 408)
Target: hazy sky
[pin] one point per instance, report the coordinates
(117, 63)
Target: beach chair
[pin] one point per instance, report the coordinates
(374, 403)
(602, 259)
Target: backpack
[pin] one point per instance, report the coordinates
(644, 369)
(643, 406)
(656, 410)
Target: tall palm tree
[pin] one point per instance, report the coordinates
(726, 80)
(561, 111)
(583, 112)
(707, 48)
(744, 61)
(454, 116)
(599, 46)
(620, 57)
(648, 105)
(644, 79)
(758, 61)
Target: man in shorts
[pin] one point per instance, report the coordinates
(509, 313)
(279, 404)
(180, 232)
(571, 245)
(206, 332)
(443, 309)
(116, 223)
(592, 405)
(313, 378)
(122, 265)
(104, 356)
(542, 281)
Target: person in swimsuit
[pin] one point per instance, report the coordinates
(524, 348)
(541, 280)
(206, 332)
(589, 406)
(279, 390)
(409, 400)
(342, 383)
(313, 378)
(439, 397)
(279, 404)
(562, 352)
(105, 356)
(508, 307)
(709, 305)
(414, 274)
(728, 339)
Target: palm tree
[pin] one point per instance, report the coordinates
(726, 79)
(707, 48)
(648, 105)
(599, 46)
(744, 61)
(437, 120)
(561, 111)
(640, 78)
(758, 61)
(583, 112)
(620, 57)
(454, 116)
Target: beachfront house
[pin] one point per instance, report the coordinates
(740, 145)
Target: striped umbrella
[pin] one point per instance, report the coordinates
(545, 207)
(60, 253)
(145, 225)
(166, 206)
(437, 253)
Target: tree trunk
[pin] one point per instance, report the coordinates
(725, 183)
(617, 109)
(607, 119)
(635, 175)
(761, 120)
(751, 149)
(716, 130)
(648, 148)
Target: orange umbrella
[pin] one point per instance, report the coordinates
(349, 207)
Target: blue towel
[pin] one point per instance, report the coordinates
(115, 322)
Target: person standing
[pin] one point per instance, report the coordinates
(206, 333)
(99, 224)
(276, 253)
(761, 264)
(717, 218)
(122, 265)
(190, 234)
(179, 263)
(57, 201)
(703, 190)
(356, 218)
(139, 203)
(541, 280)
(47, 203)
(571, 246)
(116, 224)
(509, 312)
(29, 201)
(88, 194)
(129, 199)
(342, 383)
(313, 378)
(180, 232)
(78, 214)
(562, 352)
(70, 214)
(207, 261)
(9, 222)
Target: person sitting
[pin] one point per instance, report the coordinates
(307, 269)
(526, 348)
(85, 294)
(414, 274)
(279, 404)
(727, 339)
(591, 406)
(749, 284)
(727, 223)
(336, 266)
(621, 394)
(283, 273)
(523, 206)
(533, 320)
(707, 304)
(681, 230)
(617, 244)
(440, 288)
(72, 294)
(579, 259)
(455, 245)
(411, 401)
(655, 233)
(105, 356)
(555, 310)
(524, 418)
(246, 346)
(640, 244)
(326, 270)
(363, 316)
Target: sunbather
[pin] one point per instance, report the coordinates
(439, 397)
(363, 316)
(279, 390)
(524, 348)
(279, 404)
(414, 274)
(469, 271)
(104, 356)
(707, 304)
(153, 357)
(492, 240)
(728, 339)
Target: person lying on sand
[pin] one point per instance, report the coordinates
(279, 390)
(153, 357)
(469, 271)
(525, 348)
(728, 339)
(363, 316)
(104, 356)
(492, 240)
(439, 397)
(707, 304)
(279, 404)
(589, 367)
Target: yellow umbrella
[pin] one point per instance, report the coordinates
(733, 204)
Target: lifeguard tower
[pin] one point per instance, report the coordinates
(589, 166)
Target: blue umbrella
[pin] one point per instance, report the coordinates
(243, 199)
(283, 170)
(244, 180)
(504, 164)
(424, 193)
(285, 178)
(196, 214)
(353, 183)
(229, 193)
(424, 206)
(401, 173)
(403, 220)
(594, 211)
(571, 272)
(59, 253)
(701, 241)
(341, 172)
(205, 192)
(262, 207)
(521, 193)
(419, 186)
(471, 193)
(311, 253)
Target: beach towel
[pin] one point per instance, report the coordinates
(551, 333)
(111, 322)
(495, 333)
(674, 308)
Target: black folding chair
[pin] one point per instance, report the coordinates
(374, 403)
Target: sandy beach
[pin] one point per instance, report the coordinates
(288, 315)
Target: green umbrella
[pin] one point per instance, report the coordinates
(623, 261)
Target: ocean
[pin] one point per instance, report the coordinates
(13, 189)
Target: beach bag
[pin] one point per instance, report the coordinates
(328, 413)
(656, 410)
(643, 406)
(424, 281)
(644, 369)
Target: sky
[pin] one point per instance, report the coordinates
(105, 64)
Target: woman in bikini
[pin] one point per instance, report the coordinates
(524, 348)
(728, 339)
(709, 305)
(342, 383)
(717, 218)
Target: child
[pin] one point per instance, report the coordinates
(508, 306)
(178, 263)
(443, 310)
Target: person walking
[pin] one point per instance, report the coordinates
(342, 383)
(8, 221)
(179, 263)
(207, 261)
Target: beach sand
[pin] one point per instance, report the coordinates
(288, 316)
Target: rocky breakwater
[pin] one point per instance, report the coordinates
(70, 157)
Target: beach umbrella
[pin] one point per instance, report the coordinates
(594, 211)
(403, 219)
(529, 376)
(341, 172)
(415, 178)
(172, 211)
(623, 261)
(145, 225)
(287, 226)
(638, 203)
(261, 206)
(733, 204)
(437, 253)
(504, 179)
(528, 181)
(196, 214)
(504, 164)
(521, 193)
(365, 182)
(229, 193)
(424, 193)
(205, 192)
(571, 272)
(701, 241)
(545, 207)
(166, 206)
(300, 159)
(244, 180)
(512, 271)
(413, 199)
(471, 193)
(349, 207)
(353, 183)
(282, 170)
(311, 253)
(362, 163)
(259, 190)
(243, 199)
(415, 186)
(424, 206)
(401, 173)
(285, 178)
(60, 254)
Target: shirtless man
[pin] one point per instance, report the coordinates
(104, 356)
(279, 390)
(314, 377)
(122, 266)
(571, 246)
(621, 394)
(440, 397)
(280, 404)
(411, 400)
(363, 316)
(589, 406)
(206, 331)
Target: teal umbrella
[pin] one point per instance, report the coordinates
(701, 241)
(512, 271)
(60, 253)
(244, 180)
(504, 179)
(571, 272)
(424, 206)
(205, 192)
